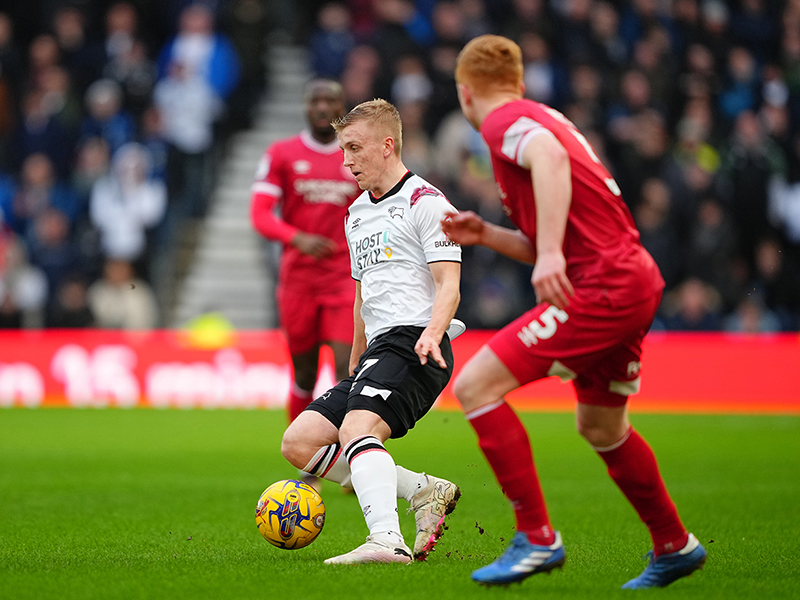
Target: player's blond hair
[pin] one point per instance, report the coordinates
(490, 63)
(379, 112)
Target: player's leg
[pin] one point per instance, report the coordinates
(602, 419)
(305, 366)
(336, 329)
(374, 478)
(390, 393)
(299, 319)
(480, 388)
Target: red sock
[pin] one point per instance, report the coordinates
(632, 465)
(298, 400)
(505, 443)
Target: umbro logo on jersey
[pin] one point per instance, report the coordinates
(301, 166)
(396, 211)
(423, 191)
(356, 222)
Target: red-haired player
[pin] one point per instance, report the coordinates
(598, 290)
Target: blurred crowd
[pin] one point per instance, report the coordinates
(693, 105)
(111, 113)
(111, 117)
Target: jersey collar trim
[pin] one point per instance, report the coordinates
(312, 144)
(392, 191)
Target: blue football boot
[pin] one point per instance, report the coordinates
(666, 568)
(520, 560)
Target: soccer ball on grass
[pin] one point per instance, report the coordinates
(290, 514)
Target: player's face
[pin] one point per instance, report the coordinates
(323, 105)
(365, 153)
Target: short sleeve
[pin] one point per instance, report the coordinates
(430, 208)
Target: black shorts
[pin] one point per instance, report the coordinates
(390, 382)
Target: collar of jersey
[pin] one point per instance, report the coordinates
(312, 144)
(392, 191)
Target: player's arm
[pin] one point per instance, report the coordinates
(359, 335)
(446, 278)
(551, 177)
(469, 229)
(266, 192)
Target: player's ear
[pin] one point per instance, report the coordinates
(388, 147)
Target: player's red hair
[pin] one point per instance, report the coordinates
(490, 63)
(380, 113)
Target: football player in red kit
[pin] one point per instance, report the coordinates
(597, 290)
(304, 176)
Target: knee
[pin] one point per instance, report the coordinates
(465, 392)
(600, 435)
(292, 448)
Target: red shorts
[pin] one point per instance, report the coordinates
(311, 319)
(596, 347)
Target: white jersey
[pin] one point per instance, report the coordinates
(392, 239)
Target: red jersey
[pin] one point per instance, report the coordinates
(307, 180)
(601, 243)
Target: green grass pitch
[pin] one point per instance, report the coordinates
(160, 504)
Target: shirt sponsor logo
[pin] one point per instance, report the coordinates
(423, 191)
(325, 191)
(446, 244)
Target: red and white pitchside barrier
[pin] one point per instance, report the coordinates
(172, 369)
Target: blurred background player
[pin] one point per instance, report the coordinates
(597, 290)
(303, 176)
(407, 291)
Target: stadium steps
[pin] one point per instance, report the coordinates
(232, 269)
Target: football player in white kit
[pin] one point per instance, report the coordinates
(407, 276)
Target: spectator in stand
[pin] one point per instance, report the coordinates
(53, 251)
(12, 65)
(39, 132)
(198, 70)
(777, 283)
(360, 75)
(23, 287)
(82, 57)
(202, 52)
(751, 163)
(106, 116)
(693, 306)
(657, 230)
(711, 250)
(120, 300)
(92, 161)
(127, 204)
(332, 40)
(70, 307)
(546, 79)
(740, 90)
(37, 191)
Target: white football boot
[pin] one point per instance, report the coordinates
(430, 505)
(379, 548)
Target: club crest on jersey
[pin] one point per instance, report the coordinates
(396, 211)
(423, 191)
(301, 166)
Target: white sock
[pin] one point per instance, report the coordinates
(329, 463)
(374, 478)
(409, 482)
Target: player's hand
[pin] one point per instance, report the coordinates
(314, 245)
(465, 228)
(550, 281)
(427, 345)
